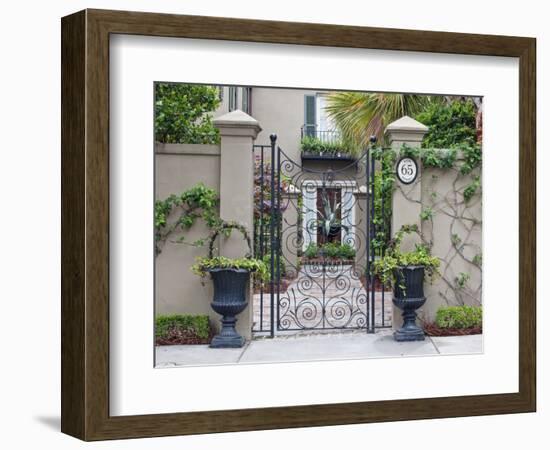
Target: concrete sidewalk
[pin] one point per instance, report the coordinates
(317, 347)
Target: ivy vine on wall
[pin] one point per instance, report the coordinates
(441, 158)
(458, 203)
(459, 200)
(198, 202)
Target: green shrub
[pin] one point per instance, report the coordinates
(450, 124)
(330, 250)
(314, 145)
(341, 251)
(282, 266)
(394, 259)
(347, 251)
(199, 325)
(459, 317)
(183, 113)
(203, 264)
(312, 251)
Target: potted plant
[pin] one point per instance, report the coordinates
(331, 147)
(230, 278)
(406, 272)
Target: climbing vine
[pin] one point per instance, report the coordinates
(459, 201)
(468, 157)
(198, 202)
(383, 186)
(201, 202)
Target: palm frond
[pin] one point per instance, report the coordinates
(360, 115)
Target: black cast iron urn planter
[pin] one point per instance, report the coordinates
(229, 300)
(408, 296)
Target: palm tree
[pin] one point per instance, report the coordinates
(360, 115)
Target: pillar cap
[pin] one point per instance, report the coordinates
(406, 129)
(237, 123)
(407, 123)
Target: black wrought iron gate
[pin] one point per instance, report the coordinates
(318, 227)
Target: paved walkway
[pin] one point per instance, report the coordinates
(320, 297)
(343, 345)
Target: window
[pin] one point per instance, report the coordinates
(317, 122)
(247, 100)
(329, 215)
(232, 98)
(310, 123)
(324, 121)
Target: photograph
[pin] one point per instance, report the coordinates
(302, 224)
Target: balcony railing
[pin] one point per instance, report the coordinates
(326, 136)
(323, 144)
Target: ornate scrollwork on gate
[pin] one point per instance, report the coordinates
(319, 222)
(325, 210)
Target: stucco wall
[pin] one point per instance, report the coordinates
(456, 232)
(228, 169)
(179, 167)
(280, 111)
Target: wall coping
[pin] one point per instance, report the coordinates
(187, 149)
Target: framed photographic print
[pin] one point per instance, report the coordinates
(273, 225)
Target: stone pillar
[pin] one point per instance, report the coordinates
(360, 223)
(238, 131)
(290, 244)
(407, 198)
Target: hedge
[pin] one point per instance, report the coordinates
(459, 317)
(198, 324)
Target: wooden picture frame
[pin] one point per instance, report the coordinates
(85, 224)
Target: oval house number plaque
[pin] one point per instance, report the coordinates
(407, 170)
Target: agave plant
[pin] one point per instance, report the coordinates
(328, 215)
